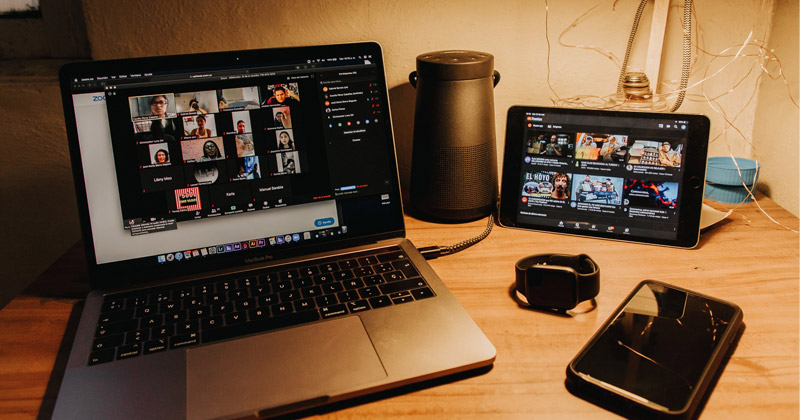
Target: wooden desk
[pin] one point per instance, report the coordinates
(746, 259)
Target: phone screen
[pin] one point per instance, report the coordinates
(659, 345)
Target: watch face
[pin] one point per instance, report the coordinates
(551, 286)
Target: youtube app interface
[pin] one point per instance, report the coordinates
(617, 176)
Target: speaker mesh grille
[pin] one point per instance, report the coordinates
(461, 178)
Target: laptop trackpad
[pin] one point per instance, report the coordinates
(279, 368)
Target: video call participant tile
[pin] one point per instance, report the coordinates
(267, 191)
(232, 196)
(204, 173)
(162, 178)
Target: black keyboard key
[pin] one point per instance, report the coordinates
(281, 286)
(128, 351)
(226, 286)
(267, 300)
(211, 322)
(289, 274)
(258, 313)
(368, 292)
(245, 304)
(333, 311)
(309, 271)
(146, 310)
(383, 268)
(201, 312)
(402, 299)
(169, 306)
(259, 290)
(183, 293)
(406, 268)
(392, 256)
(329, 267)
(204, 290)
(184, 340)
(187, 326)
(268, 278)
(116, 316)
(380, 301)
(221, 308)
(369, 260)
(326, 300)
(357, 306)
(323, 278)
(350, 263)
(108, 341)
(343, 275)
(117, 327)
(304, 304)
(363, 271)
(373, 280)
(303, 282)
(237, 294)
(402, 285)
(112, 304)
(247, 282)
(393, 276)
(138, 336)
(161, 296)
(155, 346)
(101, 356)
(163, 331)
(348, 295)
(281, 309)
(311, 292)
(174, 316)
(332, 288)
(422, 293)
(151, 321)
(133, 302)
(260, 325)
(235, 318)
(289, 295)
(353, 284)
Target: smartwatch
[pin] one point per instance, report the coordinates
(557, 281)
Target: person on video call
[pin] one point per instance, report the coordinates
(282, 119)
(195, 106)
(201, 130)
(158, 106)
(240, 127)
(552, 148)
(667, 156)
(210, 152)
(282, 96)
(285, 142)
(161, 156)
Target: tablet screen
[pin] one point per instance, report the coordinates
(633, 176)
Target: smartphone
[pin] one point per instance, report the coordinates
(657, 354)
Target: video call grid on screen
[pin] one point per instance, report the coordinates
(260, 151)
(625, 175)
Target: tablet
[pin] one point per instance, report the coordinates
(633, 176)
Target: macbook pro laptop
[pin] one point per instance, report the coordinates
(244, 234)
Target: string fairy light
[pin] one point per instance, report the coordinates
(762, 56)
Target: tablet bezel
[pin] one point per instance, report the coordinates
(691, 184)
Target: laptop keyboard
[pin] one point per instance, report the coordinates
(210, 310)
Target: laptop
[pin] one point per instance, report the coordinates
(243, 226)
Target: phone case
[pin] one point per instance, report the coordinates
(631, 405)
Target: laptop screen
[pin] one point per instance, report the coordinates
(231, 158)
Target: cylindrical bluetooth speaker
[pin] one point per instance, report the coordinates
(454, 157)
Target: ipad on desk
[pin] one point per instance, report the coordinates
(632, 176)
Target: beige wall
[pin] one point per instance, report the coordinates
(776, 135)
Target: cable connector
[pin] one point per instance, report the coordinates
(433, 252)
